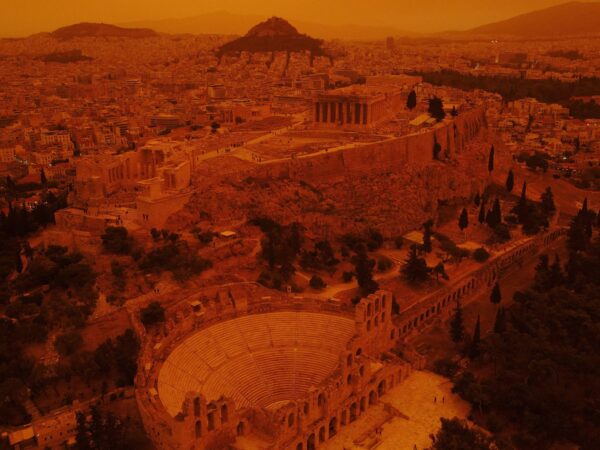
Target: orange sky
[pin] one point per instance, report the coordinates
(20, 17)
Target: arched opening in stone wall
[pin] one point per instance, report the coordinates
(211, 421)
(310, 445)
(299, 446)
(363, 404)
(196, 407)
(381, 388)
(240, 430)
(353, 412)
(372, 398)
(344, 418)
(332, 427)
(224, 414)
(290, 420)
(198, 429)
(321, 400)
(322, 434)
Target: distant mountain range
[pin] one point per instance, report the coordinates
(568, 19)
(100, 30)
(574, 18)
(239, 24)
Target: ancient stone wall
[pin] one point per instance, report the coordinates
(441, 303)
(390, 155)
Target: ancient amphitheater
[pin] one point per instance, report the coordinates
(289, 372)
(256, 360)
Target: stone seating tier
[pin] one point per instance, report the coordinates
(257, 360)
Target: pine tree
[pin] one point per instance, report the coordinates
(363, 268)
(476, 341)
(510, 181)
(415, 269)
(411, 101)
(463, 220)
(500, 322)
(491, 160)
(496, 296)
(436, 108)
(456, 324)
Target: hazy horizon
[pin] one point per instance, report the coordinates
(33, 16)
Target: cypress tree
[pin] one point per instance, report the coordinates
(456, 324)
(43, 178)
(547, 199)
(497, 213)
(496, 296)
(510, 181)
(476, 341)
(411, 101)
(463, 220)
(481, 217)
(477, 199)
(555, 272)
(491, 160)
(522, 208)
(427, 247)
(500, 322)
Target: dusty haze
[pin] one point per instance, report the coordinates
(31, 16)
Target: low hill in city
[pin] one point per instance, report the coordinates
(100, 30)
(574, 18)
(272, 35)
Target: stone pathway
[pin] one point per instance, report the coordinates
(414, 397)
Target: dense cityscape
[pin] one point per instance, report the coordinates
(279, 241)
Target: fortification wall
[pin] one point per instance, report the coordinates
(385, 156)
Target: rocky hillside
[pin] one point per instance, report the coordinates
(574, 18)
(273, 35)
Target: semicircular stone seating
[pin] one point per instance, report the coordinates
(257, 360)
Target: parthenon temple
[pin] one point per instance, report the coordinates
(355, 108)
